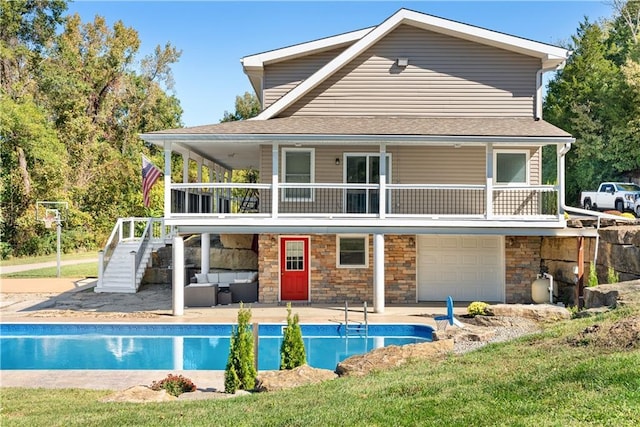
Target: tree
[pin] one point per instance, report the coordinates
(292, 352)
(247, 106)
(25, 29)
(72, 103)
(240, 372)
(594, 99)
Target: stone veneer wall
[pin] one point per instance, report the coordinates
(522, 264)
(332, 285)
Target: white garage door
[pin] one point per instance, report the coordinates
(469, 268)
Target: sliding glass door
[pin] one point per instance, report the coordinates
(364, 169)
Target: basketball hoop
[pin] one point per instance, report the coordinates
(53, 213)
(50, 217)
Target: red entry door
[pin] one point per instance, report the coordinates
(294, 268)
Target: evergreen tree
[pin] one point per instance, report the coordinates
(292, 351)
(240, 372)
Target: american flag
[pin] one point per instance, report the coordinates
(150, 174)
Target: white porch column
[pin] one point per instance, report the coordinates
(382, 198)
(561, 151)
(489, 185)
(178, 275)
(274, 179)
(167, 179)
(185, 179)
(378, 273)
(205, 245)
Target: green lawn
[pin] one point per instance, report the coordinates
(47, 258)
(549, 379)
(89, 269)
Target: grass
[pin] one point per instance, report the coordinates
(77, 270)
(47, 258)
(541, 380)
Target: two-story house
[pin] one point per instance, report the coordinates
(396, 164)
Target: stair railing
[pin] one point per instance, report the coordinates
(139, 252)
(104, 256)
(127, 229)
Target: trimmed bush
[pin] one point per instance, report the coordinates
(292, 352)
(240, 372)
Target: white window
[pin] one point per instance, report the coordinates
(297, 168)
(352, 251)
(511, 167)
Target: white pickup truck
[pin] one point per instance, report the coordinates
(617, 196)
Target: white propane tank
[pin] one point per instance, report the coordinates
(540, 290)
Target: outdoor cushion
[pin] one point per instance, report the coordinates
(212, 277)
(227, 277)
(202, 278)
(242, 281)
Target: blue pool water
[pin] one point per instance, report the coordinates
(180, 346)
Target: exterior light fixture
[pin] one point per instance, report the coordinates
(337, 161)
(402, 62)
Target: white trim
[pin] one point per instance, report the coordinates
(526, 164)
(339, 237)
(312, 173)
(259, 60)
(550, 56)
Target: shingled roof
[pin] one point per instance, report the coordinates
(380, 126)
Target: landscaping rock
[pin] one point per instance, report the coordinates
(290, 378)
(537, 312)
(612, 295)
(392, 356)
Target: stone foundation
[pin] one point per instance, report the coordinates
(332, 285)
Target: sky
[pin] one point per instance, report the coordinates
(214, 35)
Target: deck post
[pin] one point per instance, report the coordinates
(274, 179)
(167, 179)
(178, 275)
(382, 181)
(489, 183)
(205, 246)
(378, 273)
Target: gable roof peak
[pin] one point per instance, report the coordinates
(551, 57)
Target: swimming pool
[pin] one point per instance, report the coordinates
(159, 346)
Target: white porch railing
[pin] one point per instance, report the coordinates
(336, 200)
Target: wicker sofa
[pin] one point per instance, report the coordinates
(206, 289)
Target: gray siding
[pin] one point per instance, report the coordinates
(446, 76)
(281, 77)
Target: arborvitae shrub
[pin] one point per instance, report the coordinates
(593, 275)
(241, 362)
(612, 275)
(292, 352)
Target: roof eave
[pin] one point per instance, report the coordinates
(159, 138)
